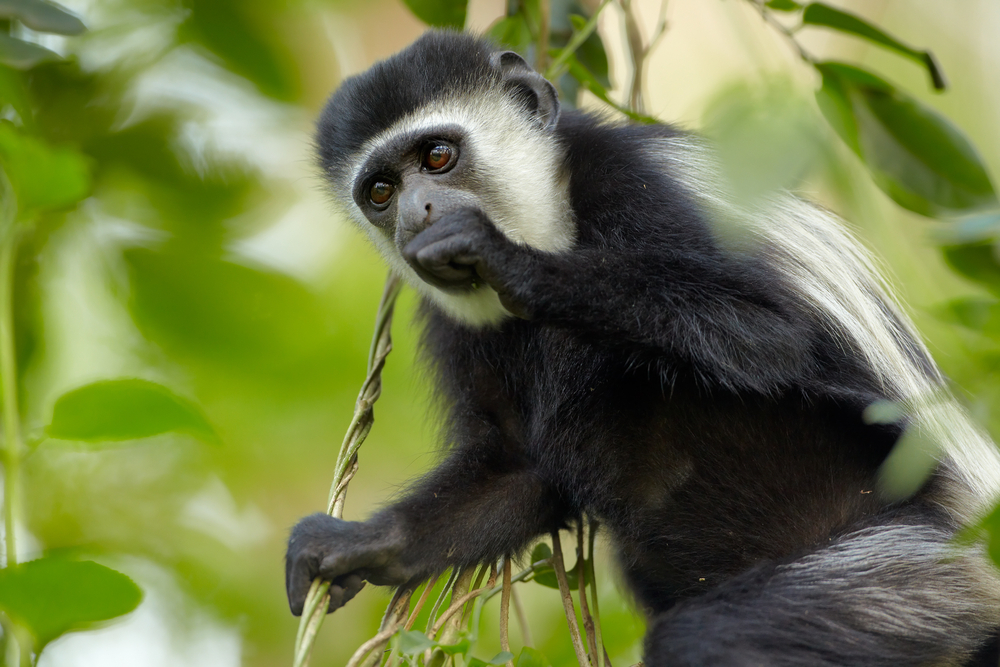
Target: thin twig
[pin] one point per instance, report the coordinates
(392, 620)
(567, 600)
(545, 15)
(581, 573)
(780, 27)
(558, 66)
(420, 603)
(317, 601)
(448, 587)
(602, 660)
(505, 609)
(451, 630)
(522, 619)
(455, 608)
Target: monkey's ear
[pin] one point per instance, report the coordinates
(530, 86)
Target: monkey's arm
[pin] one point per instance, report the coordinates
(474, 508)
(728, 321)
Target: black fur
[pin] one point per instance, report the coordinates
(682, 394)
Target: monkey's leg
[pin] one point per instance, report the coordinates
(889, 596)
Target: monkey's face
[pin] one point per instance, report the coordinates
(486, 144)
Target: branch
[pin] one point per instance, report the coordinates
(567, 600)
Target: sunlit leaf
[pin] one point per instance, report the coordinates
(41, 16)
(766, 137)
(52, 596)
(819, 14)
(125, 410)
(414, 641)
(910, 463)
(19, 54)
(43, 177)
(440, 13)
(884, 412)
(915, 155)
(530, 657)
(250, 46)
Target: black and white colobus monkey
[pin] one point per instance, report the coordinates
(604, 346)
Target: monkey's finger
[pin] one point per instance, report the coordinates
(344, 590)
(440, 260)
(299, 573)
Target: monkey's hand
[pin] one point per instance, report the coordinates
(346, 553)
(463, 250)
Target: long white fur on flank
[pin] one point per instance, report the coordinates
(529, 200)
(836, 276)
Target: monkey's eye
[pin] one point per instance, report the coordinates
(381, 192)
(437, 156)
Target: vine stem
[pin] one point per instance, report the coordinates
(8, 378)
(583, 572)
(505, 609)
(567, 599)
(318, 599)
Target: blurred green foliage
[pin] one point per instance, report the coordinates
(134, 285)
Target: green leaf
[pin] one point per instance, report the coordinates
(820, 14)
(243, 35)
(511, 32)
(476, 662)
(974, 312)
(977, 261)
(915, 155)
(43, 177)
(414, 641)
(766, 137)
(500, 658)
(225, 313)
(541, 552)
(125, 410)
(52, 596)
(590, 82)
(42, 16)
(530, 657)
(910, 463)
(460, 647)
(440, 13)
(784, 5)
(19, 54)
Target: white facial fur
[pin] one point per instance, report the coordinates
(521, 161)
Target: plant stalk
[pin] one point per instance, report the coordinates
(8, 377)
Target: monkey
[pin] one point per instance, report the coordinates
(605, 343)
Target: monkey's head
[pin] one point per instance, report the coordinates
(449, 124)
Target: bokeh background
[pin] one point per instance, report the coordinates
(208, 259)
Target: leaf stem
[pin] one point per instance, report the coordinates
(557, 67)
(8, 378)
